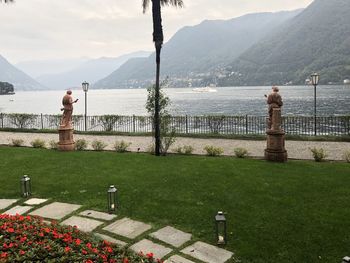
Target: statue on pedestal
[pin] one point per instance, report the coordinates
(275, 150)
(274, 100)
(67, 109)
(66, 142)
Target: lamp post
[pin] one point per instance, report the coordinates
(220, 227)
(85, 86)
(315, 77)
(26, 186)
(112, 197)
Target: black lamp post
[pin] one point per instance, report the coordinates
(314, 80)
(26, 186)
(112, 197)
(220, 227)
(85, 86)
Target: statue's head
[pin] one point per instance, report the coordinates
(275, 89)
(69, 92)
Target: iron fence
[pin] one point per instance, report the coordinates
(226, 125)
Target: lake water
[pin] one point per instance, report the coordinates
(331, 100)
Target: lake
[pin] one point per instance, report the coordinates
(331, 100)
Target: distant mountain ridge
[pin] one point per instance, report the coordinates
(20, 80)
(199, 49)
(318, 39)
(90, 71)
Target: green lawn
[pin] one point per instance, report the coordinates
(293, 212)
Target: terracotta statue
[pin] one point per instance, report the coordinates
(67, 109)
(274, 100)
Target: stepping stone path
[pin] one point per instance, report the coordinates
(90, 221)
(55, 210)
(35, 201)
(83, 224)
(172, 236)
(18, 210)
(177, 259)
(207, 253)
(98, 215)
(127, 228)
(7, 202)
(146, 246)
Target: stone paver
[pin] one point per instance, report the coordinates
(207, 253)
(55, 210)
(83, 224)
(146, 246)
(18, 210)
(111, 239)
(4, 203)
(172, 236)
(98, 215)
(177, 259)
(35, 201)
(127, 228)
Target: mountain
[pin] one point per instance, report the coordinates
(318, 39)
(37, 68)
(90, 70)
(20, 80)
(195, 51)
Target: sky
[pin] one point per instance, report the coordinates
(62, 29)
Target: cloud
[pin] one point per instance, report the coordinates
(42, 29)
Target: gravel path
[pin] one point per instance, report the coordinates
(296, 149)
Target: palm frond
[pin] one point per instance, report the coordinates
(176, 3)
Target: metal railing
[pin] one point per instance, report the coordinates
(226, 125)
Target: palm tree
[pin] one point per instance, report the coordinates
(158, 42)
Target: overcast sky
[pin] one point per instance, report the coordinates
(54, 29)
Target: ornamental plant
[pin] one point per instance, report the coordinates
(213, 151)
(319, 154)
(17, 142)
(38, 143)
(29, 239)
(98, 145)
(122, 146)
(240, 152)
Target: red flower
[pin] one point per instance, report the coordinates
(22, 252)
(10, 230)
(78, 241)
(89, 261)
(149, 255)
(125, 260)
(67, 249)
(3, 255)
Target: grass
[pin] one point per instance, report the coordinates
(292, 212)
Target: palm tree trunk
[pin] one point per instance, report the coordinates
(158, 41)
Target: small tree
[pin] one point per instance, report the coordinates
(22, 120)
(109, 121)
(167, 134)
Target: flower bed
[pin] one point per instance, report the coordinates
(29, 239)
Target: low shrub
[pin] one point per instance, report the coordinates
(186, 149)
(213, 151)
(38, 143)
(98, 145)
(53, 145)
(347, 156)
(319, 154)
(17, 142)
(122, 146)
(29, 239)
(240, 152)
(81, 145)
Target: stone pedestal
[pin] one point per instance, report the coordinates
(66, 142)
(275, 150)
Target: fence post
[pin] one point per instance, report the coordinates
(246, 124)
(2, 120)
(42, 123)
(186, 124)
(133, 124)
